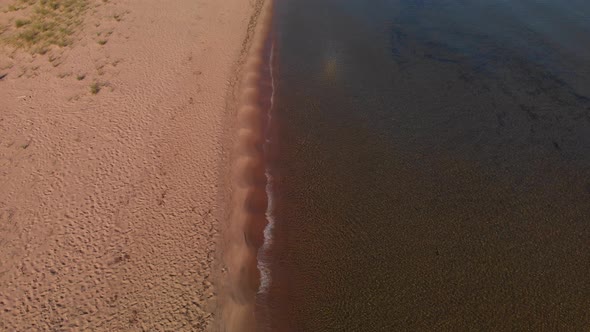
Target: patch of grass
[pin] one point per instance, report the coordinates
(102, 41)
(50, 23)
(20, 23)
(80, 77)
(19, 5)
(95, 88)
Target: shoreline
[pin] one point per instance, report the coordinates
(114, 200)
(248, 207)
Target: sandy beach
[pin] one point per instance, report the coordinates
(114, 163)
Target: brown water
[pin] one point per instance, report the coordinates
(432, 166)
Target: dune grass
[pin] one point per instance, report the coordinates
(48, 22)
(95, 88)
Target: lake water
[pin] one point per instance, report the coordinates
(431, 166)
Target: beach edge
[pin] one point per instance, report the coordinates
(245, 198)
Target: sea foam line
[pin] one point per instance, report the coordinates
(247, 227)
(263, 266)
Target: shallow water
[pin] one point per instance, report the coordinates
(432, 166)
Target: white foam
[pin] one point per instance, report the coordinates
(263, 266)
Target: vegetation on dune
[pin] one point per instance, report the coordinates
(95, 88)
(48, 22)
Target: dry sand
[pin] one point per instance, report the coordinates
(111, 204)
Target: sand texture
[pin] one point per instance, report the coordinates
(112, 152)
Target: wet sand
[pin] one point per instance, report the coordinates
(114, 161)
(247, 213)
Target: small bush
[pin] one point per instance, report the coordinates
(95, 88)
(20, 23)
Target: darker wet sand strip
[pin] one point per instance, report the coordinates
(244, 234)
